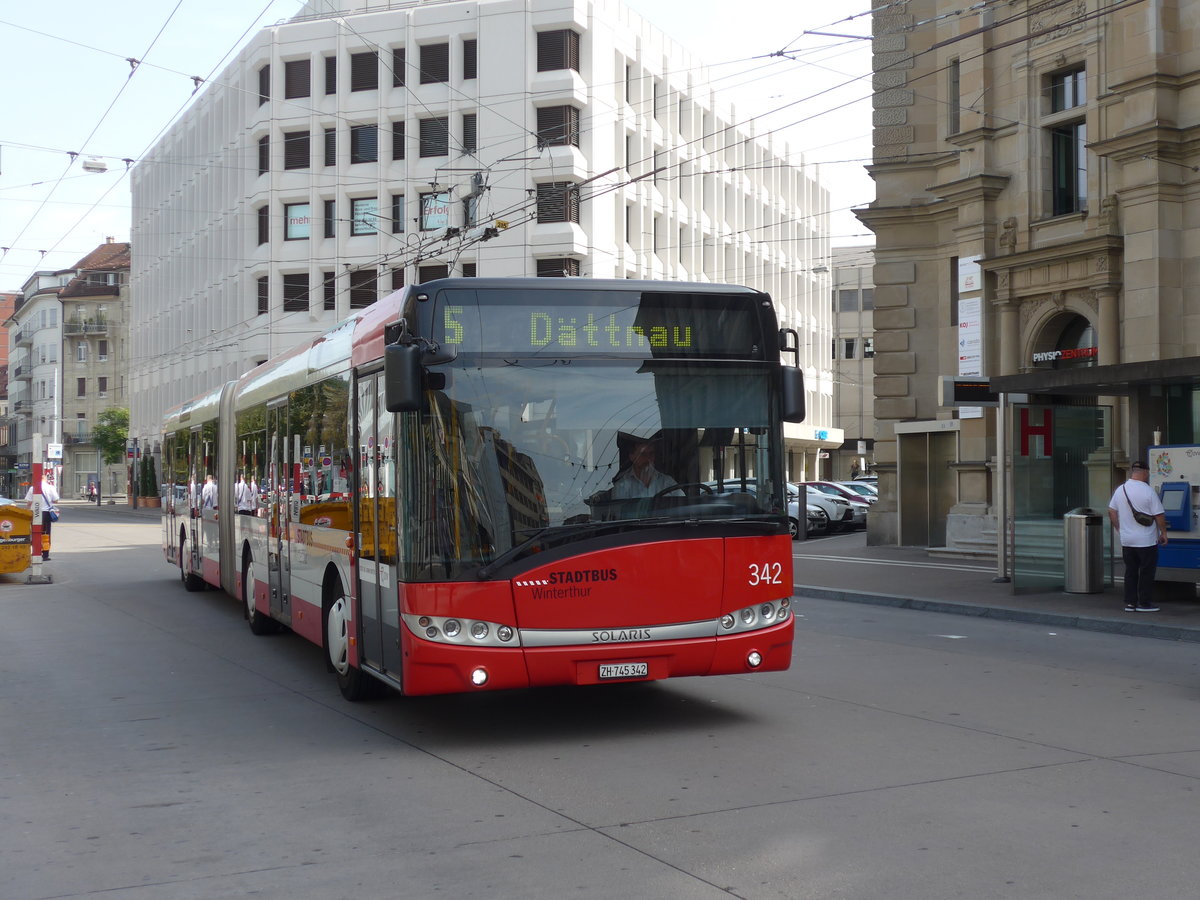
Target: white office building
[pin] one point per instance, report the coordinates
(341, 155)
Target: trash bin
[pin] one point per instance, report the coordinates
(1083, 557)
(16, 526)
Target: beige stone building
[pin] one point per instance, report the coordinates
(1036, 171)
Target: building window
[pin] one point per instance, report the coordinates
(264, 224)
(868, 299)
(848, 347)
(297, 79)
(329, 289)
(868, 348)
(295, 292)
(397, 278)
(81, 351)
(558, 126)
(432, 272)
(557, 268)
(331, 146)
(470, 59)
(1068, 168)
(80, 387)
(435, 63)
(470, 132)
(558, 201)
(330, 218)
(397, 213)
(364, 143)
(1068, 90)
(264, 155)
(364, 215)
(953, 98)
(364, 71)
(847, 301)
(297, 152)
(470, 270)
(435, 137)
(363, 288)
(298, 221)
(101, 387)
(557, 50)
(1068, 143)
(264, 295)
(330, 74)
(398, 64)
(264, 85)
(102, 351)
(397, 140)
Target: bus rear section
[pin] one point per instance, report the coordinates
(666, 608)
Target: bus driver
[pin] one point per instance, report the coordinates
(641, 478)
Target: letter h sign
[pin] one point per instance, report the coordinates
(1045, 431)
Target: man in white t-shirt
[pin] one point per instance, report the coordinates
(49, 501)
(1139, 543)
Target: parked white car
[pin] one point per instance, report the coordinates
(817, 517)
(843, 514)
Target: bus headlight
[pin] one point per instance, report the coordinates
(463, 632)
(761, 615)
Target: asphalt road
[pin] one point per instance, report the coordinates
(152, 747)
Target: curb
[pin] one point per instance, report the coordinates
(1058, 620)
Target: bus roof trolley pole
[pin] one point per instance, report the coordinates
(404, 369)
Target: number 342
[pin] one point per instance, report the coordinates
(765, 573)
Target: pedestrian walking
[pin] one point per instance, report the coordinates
(1136, 513)
(49, 509)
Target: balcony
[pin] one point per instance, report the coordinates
(78, 327)
(85, 438)
(22, 372)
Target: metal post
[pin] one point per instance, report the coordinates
(1001, 503)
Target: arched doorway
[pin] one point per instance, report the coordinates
(1066, 340)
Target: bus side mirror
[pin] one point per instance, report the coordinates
(403, 381)
(793, 393)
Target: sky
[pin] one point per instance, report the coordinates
(106, 79)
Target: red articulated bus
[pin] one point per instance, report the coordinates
(480, 484)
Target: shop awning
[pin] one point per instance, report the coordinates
(1121, 379)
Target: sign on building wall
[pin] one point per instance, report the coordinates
(435, 211)
(970, 326)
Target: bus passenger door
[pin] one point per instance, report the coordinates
(377, 527)
(279, 474)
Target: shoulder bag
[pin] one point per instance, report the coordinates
(1138, 516)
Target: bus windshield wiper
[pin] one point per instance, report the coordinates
(486, 572)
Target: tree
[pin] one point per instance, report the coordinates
(111, 434)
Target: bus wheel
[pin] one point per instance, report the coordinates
(353, 684)
(259, 624)
(191, 581)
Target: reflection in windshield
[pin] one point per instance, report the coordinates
(511, 447)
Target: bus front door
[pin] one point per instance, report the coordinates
(377, 587)
(279, 474)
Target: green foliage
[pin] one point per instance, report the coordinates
(147, 481)
(111, 433)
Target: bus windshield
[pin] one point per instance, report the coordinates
(514, 449)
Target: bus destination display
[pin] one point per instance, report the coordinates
(602, 324)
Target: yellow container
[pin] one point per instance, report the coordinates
(16, 538)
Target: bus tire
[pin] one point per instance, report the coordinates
(354, 684)
(259, 624)
(191, 581)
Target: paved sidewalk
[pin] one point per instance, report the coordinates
(843, 567)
